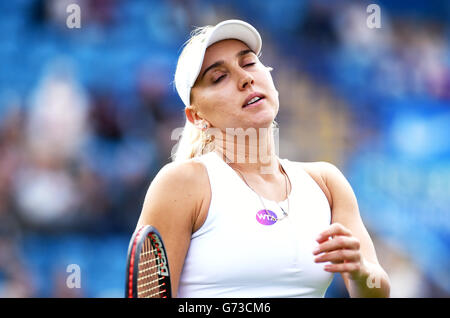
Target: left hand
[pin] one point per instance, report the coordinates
(343, 251)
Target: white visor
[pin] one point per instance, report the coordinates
(191, 59)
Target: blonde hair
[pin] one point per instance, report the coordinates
(194, 141)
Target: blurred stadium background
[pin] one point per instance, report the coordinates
(86, 117)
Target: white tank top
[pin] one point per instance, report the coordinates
(240, 252)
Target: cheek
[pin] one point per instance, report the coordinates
(270, 88)
(269, 81)
(212, 104)
(213, 101)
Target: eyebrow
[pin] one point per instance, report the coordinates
(218, 63)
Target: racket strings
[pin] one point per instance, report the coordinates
(154, 294)
(150, 261)
(149, 289)
(149, 252)
(149, 283)
(140, 278)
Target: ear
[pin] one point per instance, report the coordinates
(193, 116)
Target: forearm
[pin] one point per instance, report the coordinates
(372, 282)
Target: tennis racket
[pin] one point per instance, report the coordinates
(147, 265)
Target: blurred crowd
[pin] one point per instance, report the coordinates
(87, 116)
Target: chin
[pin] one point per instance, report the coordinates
(264, 119)
(262, 123)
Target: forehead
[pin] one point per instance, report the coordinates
(222, 50)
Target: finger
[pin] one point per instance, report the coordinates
(334, 229)
(339, 256)
(338, 242)
(343, 268)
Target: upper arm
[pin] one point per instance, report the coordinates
(345, 210)
(343, 205)
(171, 205)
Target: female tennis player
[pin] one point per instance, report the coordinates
(237, 220)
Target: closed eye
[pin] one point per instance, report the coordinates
(219, 79)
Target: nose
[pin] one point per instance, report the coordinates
(245, 80)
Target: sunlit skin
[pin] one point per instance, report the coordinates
(219, 94)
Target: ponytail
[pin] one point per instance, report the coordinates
(193, 143)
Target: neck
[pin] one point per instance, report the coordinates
(250, 151)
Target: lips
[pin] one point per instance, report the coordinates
(256, 96)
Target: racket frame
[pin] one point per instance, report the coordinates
(134, 250)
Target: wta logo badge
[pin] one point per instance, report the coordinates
(266, 217)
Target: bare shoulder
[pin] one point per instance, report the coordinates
(172, 204)
(325, 174)
(323, 169)
(179, 187)
(178, 174)
(178, 179)
(339, 189)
